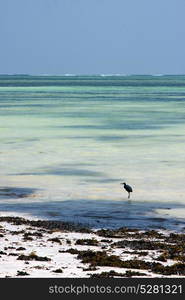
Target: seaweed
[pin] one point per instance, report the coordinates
(33, 256)
(112, 273)
(175, 238)
(106, 241)
(175, 252)
(15, 232)
(55, 240)
(129, 233)
(20, 249)
(140, 245)
(109, 274)
(130, 273)
(71, 251)
(139, 253)
(100, 258)
(47, 224)
(90, 268)
(89, 242)
(176, 269)
(58, 271)
(22, 273)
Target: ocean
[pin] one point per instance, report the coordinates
(67, 142)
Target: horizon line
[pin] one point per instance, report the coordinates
(94, 74)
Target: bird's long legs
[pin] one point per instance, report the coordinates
(128, 195)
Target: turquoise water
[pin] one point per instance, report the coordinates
(68, 141)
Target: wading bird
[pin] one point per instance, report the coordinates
(127, 188)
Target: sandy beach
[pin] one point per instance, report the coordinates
(41, 248)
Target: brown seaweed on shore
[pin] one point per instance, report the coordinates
(3, 253)
(90, 268)
(176, 269)
(140, 245)
(47, 224)
(175, 238)
(33, 256)
(71, 251)
(89, 242)
(58, 271)
(116, 233)
(133, 242)
(129, 233)
(15, 232)
(174, 251)
(22, 273)
(112, 273)
(139, 253)
(106, 241)
(55, 240)
(101, 258)
(20, 249)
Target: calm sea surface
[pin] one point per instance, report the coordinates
(68, 141)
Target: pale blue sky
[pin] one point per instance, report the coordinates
(92, 36)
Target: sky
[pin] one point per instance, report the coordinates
(92, 37)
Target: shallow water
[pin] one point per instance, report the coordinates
(67, 142)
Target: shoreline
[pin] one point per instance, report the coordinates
(47, 248)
